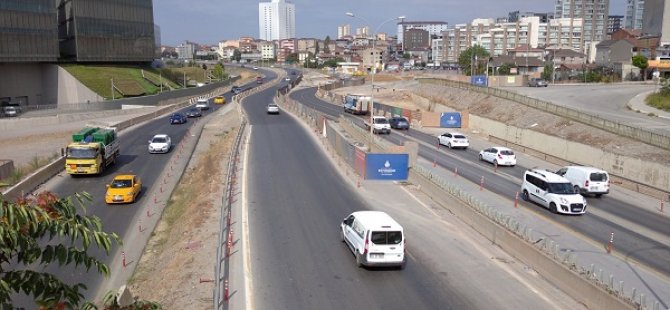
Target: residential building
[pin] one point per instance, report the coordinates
(594, 14)
(276, 20)
(499, 38)
(634, 14)
(656, 20)
(416, 39)
(267, 49)
(434, 28)
(515, 16)
(247, 45)
(307, 45)
(105, 31)
(28, 31)
(343, 31)
(373, 57)
(186, 50)
(288, 45)
(437, 53)
(362, 32)
(614, 23)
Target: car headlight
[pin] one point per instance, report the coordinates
(563, 201)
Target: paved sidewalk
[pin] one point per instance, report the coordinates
(638, 104)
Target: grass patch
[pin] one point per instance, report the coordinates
(33, 165)
(99, 78)
(659, 101)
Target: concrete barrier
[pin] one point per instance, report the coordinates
(569, 281)
(36, 179)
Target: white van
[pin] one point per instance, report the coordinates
(202, 104)
(375, 239)
(587, 180)
(552, 191)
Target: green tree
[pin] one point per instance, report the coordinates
(505, 69)
(219, 71)
(473, 60)
(237, 55)
(548, 72)
(405, 55)
(291, 58)
(642, 63)
(48, 230)
(332, 63)
(326, 44)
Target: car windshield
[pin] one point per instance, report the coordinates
(81, 153)
(381, 121)
(159, 140)
(122, 183)
(598, 177)
(506, 152)
(272, 105)
(560, 188)
(194, 110)
(459, 137)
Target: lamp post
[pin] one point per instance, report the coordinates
(374, 63)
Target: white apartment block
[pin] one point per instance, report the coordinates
(362, 32)
(594, 15)
(498, 38)
(343, 31)
(267, 49)
(276, 20)
(434, 28)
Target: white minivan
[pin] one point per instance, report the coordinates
(552, 191)
(587, 180)
(375, 239)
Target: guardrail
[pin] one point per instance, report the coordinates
(640, 134)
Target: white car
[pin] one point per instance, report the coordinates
(499, 156)
(552, 191)
(273, 108)
(255, 68)
(160, 144)
(202, 104)
(287, 79)
(453, 140)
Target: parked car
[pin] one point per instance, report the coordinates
(587, 180)
(273, 108)
(498, 155)
(375, 239)
(193, 112)
(399, 122)
(535, 82)
(160, 143)
(453, 140)
(552, 191)
(177, 118)
(124, 188)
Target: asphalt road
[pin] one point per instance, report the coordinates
(296, 200)
(134, 158)
(637, 230)
(607, 101)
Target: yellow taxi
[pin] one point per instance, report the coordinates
(219, 100)
(124, 188)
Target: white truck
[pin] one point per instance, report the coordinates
(380, 125)
(356, 104)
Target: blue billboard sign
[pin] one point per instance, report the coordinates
(450, 120)
(479, 80)
(386, 166)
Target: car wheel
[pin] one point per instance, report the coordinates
(599, 195)
(449, 144)
(525, 196)
(342, 234)
(552, 208)
(439, 142)
(481, 158)
(577, 189)
(495, 162)
(359, 260)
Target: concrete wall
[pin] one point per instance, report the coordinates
(654, 174)
(70, 90)
(37, 82)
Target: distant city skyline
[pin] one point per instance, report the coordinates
(210, 21)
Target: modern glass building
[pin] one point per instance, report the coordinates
(28, 31)
(106, 30)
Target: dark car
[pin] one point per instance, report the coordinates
(236, 90)
(535, 82)
(399, 122)
(193, 112)
(294, 72)
(177, 118)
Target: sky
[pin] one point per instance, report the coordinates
(211, 21)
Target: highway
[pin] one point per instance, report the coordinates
(134, 158)
(641, 235)
(296, 200)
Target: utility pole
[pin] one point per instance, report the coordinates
(112, 88)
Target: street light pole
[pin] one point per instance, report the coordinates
(374, 64)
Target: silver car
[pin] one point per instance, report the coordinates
(535, 82)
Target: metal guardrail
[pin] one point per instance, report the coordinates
(640, 134)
